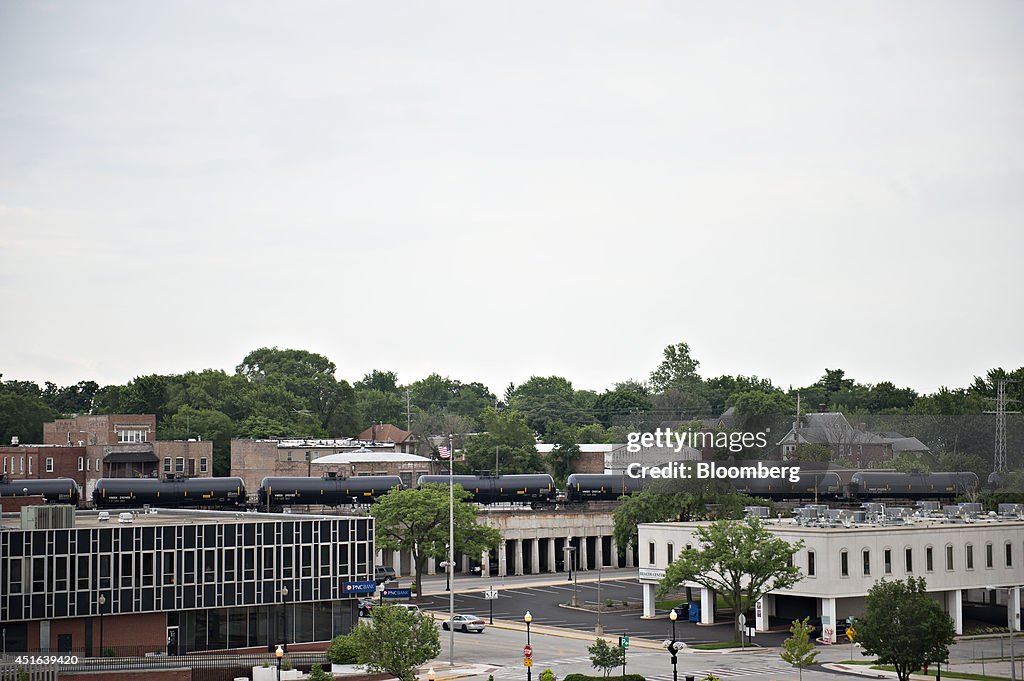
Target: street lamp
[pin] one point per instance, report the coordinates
(431, 676)
(572, 572)
(279, 653)
(529, 669)
(284, 598)
(672, 645)
(102, 601)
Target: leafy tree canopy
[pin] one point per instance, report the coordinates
(741, 560)
(606, 657)
(416, 520)
(798, 649)
(507, 435)
(398, 642)
(905, 627)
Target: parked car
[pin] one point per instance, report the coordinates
(465, 623)
(383, 573)
(365, 606)
(411, 607)
(492, 568)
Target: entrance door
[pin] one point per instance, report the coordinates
(172, 640)
(63, 643)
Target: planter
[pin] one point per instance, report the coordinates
(348, 669)
(264, 674)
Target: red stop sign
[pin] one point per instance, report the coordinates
(527, 651)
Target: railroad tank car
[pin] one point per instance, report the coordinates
(54, 490)
(949, 485)
(498, 489)
(225, 493)
(325, 491)
(581, 487)
(819, 485)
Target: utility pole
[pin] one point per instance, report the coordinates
(999, 462)
(496, 447)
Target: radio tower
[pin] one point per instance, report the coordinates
(1000, 462)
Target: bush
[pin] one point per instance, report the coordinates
(318, 674)
(586, 677)
(286, 663)
(547, 675)
(342, 650)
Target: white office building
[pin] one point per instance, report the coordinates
(977, 562)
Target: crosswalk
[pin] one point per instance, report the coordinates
(765, 668)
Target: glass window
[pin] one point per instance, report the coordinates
(909, 553)
(929, 564)
(30, 465)
(866, 554)
(810, 563)
(650, 553)
(887, 561)
(844, 563)
(167, 464)
(88, 464)
(97, 469)
(49, 464)
(179, 464)
(81, 463)
(949, 556)
(1009, 554)
(970, 556)
(203, 464)
(989, 558)
(671, 551)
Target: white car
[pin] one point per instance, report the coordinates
(411, 607)
(465, 623)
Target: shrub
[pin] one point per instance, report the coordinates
(286, 663)
(318, 674)
(343, 650)
(586, 677)
(547, 675)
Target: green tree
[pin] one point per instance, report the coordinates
(208, 424)
(343, 650)
(606, 657)
(508, 433)
(910, 463)
(677, 368)
(905, 627)
(416, 520)
(564, 454)
(798, 649)
(545, 400)
(317, 673)
(398, 642)
(627, 403)
(741, 560)
(384, 381)
(23, 416)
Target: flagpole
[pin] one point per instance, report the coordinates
(451, 549)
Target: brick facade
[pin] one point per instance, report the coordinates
(30, 462)
(101, 429)
(253, 460)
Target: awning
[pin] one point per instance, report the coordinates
(131, 457)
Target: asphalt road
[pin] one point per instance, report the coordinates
(547, 606)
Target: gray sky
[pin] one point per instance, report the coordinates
(491, 191)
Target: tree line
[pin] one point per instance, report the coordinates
(296, 393)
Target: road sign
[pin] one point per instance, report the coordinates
(527, 662)
(851, 633)
(396, 593)
(490, 595)
(624, 641)
(527, 651)
(743, 620)
(359, 587)
(849, 620)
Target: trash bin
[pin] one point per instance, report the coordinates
(694, 612)
(689, 678)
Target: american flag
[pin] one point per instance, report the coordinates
(443, 452)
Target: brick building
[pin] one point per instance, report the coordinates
(253, 460)
(87, 448)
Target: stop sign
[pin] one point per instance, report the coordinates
(527, 651)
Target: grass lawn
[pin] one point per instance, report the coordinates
(931, 671)
(718, 646)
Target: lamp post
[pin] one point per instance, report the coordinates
(529, 668)
(431, 676)
(672, 645)
(284, 599)
(279, 653)
(102, 601)
(572, 572)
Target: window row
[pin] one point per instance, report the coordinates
(179, 465)
(908, 559)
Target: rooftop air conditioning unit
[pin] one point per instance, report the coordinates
(52, 517)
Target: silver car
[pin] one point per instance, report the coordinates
(465, 623)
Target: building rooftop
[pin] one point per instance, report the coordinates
(159, 517)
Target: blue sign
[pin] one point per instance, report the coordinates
(397, 593)
(359, 587)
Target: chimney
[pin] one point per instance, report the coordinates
(822, 407)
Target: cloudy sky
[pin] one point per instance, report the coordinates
(495, 190)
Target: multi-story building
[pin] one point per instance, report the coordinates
(962, 562)
(87, 448)
(179, 581)
(253, 460)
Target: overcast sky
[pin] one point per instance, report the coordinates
(492, 191)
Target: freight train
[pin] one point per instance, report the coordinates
(277, 493)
